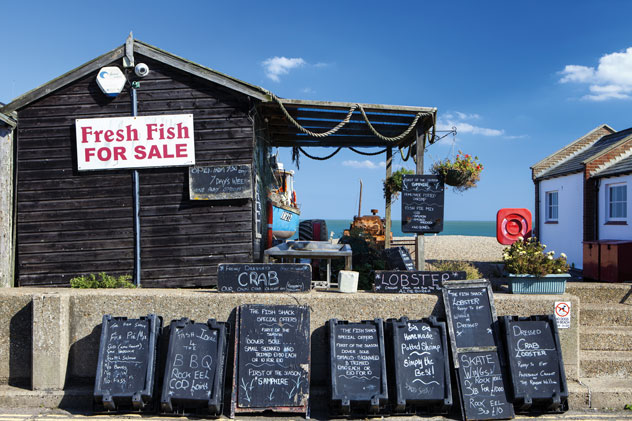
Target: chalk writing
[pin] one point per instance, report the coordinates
(422, 204)
(412, 282)
(264, 277)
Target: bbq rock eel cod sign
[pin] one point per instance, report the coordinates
(135, 142)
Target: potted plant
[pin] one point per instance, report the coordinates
(393, 184)
(534, 271)
(463, 173)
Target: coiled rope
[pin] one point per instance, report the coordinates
(318, 158)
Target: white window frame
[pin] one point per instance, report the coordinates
(548, 206)
(609, 202)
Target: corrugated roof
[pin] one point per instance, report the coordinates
(576, 163)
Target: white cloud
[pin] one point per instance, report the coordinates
(364, 164)
(612, 79)
(277, 66)
(456, 119)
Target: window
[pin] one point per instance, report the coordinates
(551, 206)
(617, 202)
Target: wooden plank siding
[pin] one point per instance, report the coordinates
(71, 223)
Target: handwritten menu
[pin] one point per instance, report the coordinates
(272, 361)
(470, 315)
(420, 363)
(127, 355)
(535, 361)
(264, 277)
(194, 368)
(422, 204)
(398, 258)
(482, 386)
(412, 282)
(220, 182)
(358, 363)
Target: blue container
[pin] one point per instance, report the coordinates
(531, 284)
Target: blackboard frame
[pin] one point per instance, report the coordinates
(412, 207)
(378, 401)
(235, 408)
(399, 402)
(182, 405)
(487, 352)
(246, 193)
(138, 400)
(301, 272)
(523, 401)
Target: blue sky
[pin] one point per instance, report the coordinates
(519, 80)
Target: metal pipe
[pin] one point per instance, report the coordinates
(136, 208)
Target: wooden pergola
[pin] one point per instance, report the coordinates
(297, 123)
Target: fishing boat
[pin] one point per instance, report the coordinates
(283, 210)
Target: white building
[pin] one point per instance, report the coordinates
(581, 192)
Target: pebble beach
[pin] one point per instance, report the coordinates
(462, 247)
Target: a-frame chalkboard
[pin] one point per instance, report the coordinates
(272, 359)
(476, 353)
(538, 378)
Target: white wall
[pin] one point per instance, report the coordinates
(614, 232)
(567, 235)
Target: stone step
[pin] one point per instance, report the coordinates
(606, 315)
(601, 292)
(614, 364)
(606, 393)
(605, 338)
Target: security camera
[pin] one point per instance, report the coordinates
(141, 70)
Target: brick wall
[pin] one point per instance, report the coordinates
(621, 151)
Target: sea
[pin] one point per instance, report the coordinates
(472, 228)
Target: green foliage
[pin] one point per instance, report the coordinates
(366, 257)
(468, 167)
(393, 184)
(457, 266)
(628, 407)
(528, 257)
(104, 281)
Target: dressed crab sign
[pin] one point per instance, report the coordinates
(135, 142)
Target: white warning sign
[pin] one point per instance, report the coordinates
(563, 314)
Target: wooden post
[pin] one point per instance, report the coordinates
(419, 238)
(6, 204)
(387, 212)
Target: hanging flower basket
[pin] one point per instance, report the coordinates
(456, 178)
(462, 173)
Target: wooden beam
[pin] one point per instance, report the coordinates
(6, 206)
(419, 238)
(387, 212)
(382, 108)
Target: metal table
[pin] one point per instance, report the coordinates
(293, 250)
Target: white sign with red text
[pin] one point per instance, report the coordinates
(135, 142)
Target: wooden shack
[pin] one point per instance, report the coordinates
(72, 222)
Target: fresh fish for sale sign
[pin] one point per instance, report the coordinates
(135, 142)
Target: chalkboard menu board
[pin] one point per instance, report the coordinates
(220, 182)
(535, 363)
(194, 370)
(358, 365)
(398, 258)
(126, 364)
(422, 204)
(412, 282)
(474, 338)
(271, 370)
(470, 315)
(264, 277)
(482, 384)
(419, 365)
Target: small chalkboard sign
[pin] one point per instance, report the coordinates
(264, 277)
(469, 312)
(358, 366)
(422, 204)
(535, 364)
(271, 368)
(127, 362)
(193, 381)
(482, 385)
(412, 282)
(419, 366)
(398, 258)
(220, 182)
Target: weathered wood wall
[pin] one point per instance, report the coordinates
(6, 205)
(72, 223)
